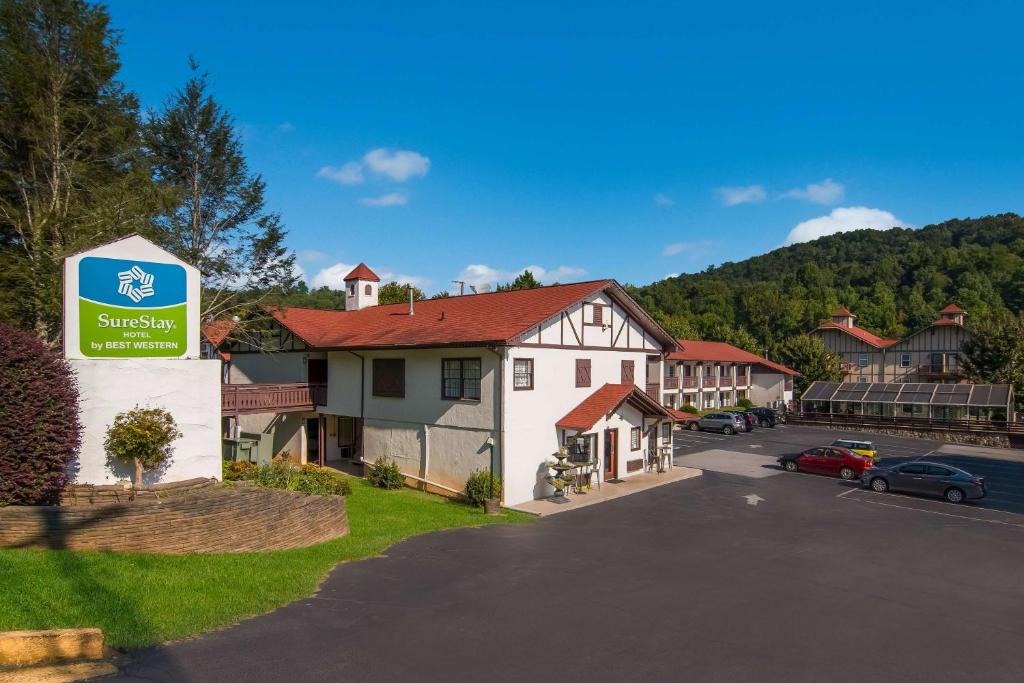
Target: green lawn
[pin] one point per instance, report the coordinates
(138, 599)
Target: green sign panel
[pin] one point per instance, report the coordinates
(131, 309)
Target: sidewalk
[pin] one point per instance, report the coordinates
(608, 491)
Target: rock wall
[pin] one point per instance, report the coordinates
(210, 519)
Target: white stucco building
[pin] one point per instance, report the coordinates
(708, 374)
(448, 386)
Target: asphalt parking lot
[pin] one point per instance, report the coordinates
(1003, 472)
(729, 576)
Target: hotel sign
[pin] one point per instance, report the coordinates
(130, 299)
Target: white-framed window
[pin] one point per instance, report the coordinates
(904, 360)
(666, 432)
(862, 360)
(634, 439)
(862, 379)
(522, 374)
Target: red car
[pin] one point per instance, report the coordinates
(831, 460)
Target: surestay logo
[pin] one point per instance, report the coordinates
(131, 308)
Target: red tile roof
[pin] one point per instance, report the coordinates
(861, 334)
(471, 320)
(952, 308)
(680, 416)
(362, 272)
(695, 350)
(606, 401)
(842, 311)
(217, 330)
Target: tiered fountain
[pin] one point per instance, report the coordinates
(561, 478)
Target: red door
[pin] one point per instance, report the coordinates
(611, 454)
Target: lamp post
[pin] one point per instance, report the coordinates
(492, 504)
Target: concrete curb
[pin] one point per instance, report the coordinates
(28, 648)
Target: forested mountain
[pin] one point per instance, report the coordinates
(894, 280)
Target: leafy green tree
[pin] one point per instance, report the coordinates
(396, 293)
(216, 219)
(71, 172)
(808, 356)
(525, 280)
(142, 437)
(994, 353)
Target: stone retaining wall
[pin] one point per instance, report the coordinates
(209, 519)
(992, 440)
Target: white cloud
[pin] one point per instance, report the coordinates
(389, 199)
(310, 255)
(843, 219)
(692, 251)
(398, 165)
(746, 194)
(826, 192)
(478, 274)
(670, 276)
(663, 200)
(332, 276)
(348, 174)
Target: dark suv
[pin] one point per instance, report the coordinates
(766, 417)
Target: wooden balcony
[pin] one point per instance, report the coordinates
(671, 383)
(654, 391)
(725, 381)
(295, 397)
(689, 382)
(937, 372)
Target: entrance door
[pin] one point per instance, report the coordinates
(313, 440)
(611, 454)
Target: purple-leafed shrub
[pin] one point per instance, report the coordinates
(39, 427)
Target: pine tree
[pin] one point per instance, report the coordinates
(71, 175)
(216, 219)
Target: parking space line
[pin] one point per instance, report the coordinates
(931, 512)
(847, 492)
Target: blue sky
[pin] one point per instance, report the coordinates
(443, 141)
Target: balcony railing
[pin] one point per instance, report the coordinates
(936, 370)
(654, 391)
(240, 399)
(725, 381)
(671, 383)
(689, 383)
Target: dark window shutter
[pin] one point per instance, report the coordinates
(389, 377)
(598, 314)
(316, 370)
(627, 372)
(583, 372)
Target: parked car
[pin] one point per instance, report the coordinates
(766, 417)
(830, 460)
(926, 478)
(865, 448)
(748, 423)
(727, 423)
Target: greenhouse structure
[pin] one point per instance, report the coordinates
(951, 402)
